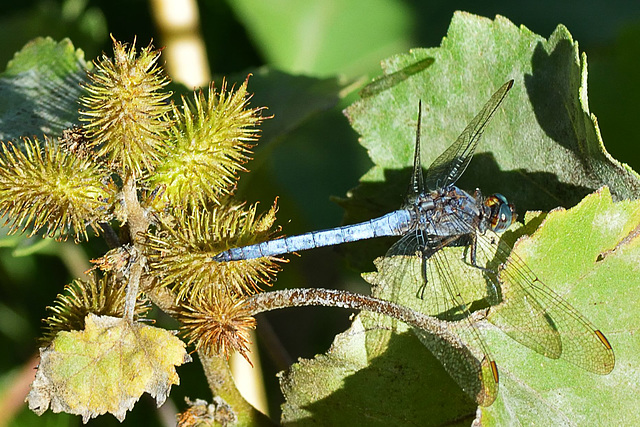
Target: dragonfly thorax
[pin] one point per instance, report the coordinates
(446, 212)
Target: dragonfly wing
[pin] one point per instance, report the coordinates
(443, 264)
(516, 311)
(390, 80)
(536, 316)
(409, 276)
(450, 165)
(412, 276)
(582, 344)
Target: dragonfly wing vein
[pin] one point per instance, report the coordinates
(582, 344)
(451, 164)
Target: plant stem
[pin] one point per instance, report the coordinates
(221, 384)
(267, 301)
(138, 224)
(109, 235)
(136, 219)
(162, 297)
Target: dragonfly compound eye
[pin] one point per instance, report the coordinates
(502, 213)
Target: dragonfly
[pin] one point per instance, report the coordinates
(435, 215)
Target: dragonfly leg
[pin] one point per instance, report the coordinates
(473, 250)
(423, 270)
(493, 293)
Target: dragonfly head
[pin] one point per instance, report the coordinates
(501, 212)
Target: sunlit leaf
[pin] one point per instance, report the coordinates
(542, 148)
(106, 368)
(590, 256)
(311, 35)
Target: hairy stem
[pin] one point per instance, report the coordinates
(138, 224)
(136, 218)
(268, 301)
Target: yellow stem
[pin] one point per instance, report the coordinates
(222, 385)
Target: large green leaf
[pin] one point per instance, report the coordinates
(590, 256)
(584, 254)
(542, 149)
(376, 373)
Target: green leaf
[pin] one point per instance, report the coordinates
(542, 149)
(29, 246)
(106, 368)
(40, 89)
(590, 256)
(375, 377)
(584, 254)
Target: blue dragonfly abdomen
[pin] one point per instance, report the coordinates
(395, 223)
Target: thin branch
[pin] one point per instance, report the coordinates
(133, 285)
(272, 342)
(110, 236)
(268, 301)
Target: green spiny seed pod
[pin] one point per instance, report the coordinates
(42, 185)
(126, 110)
(210, 141)
(182, 256)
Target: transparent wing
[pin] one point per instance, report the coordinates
(450, 165)
(407, 276)
(422, 279)
(534, 315)
(424, 275)
(442, 266)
